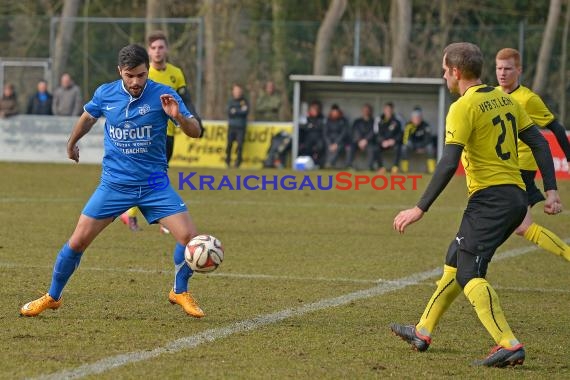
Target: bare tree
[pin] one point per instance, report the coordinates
(325, 34)
(64, 36)
(401, 32)
(154, 10)
(279, 62)
(208, 10)
(563, 60)
(545, 52)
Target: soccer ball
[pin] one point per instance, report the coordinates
(204, 253)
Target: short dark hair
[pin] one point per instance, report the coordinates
(466, 57)
(316, 103)
(155, 36)
(132, 56)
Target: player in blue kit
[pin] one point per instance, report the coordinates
(136, 111)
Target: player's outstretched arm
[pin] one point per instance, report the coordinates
(81, 128)
(443, 173)
(189, 126)
(541, 152)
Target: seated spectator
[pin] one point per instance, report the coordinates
(268, 104)
(418, 139)
(41, 102)
(9, 101)
(67, 100)
(389, 137)
(362, 139)
(311, 140)
(336, 133)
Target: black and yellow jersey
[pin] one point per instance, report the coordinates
(171, 76)
(486, 122)
(539, 114)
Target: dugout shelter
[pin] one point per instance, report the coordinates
(431, 94)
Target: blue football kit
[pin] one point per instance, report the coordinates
(135, 149)
(135, 152)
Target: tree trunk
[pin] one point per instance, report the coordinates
(210, 56)
(279, 47)
(325, 34)
(154, 10)
(545, 52)
(563, 60)
(401, 36)
(64, 37)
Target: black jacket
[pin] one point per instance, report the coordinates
(389, 129)
(362, 129)
(418, 134)
(336, 131)
(37, 107)
(237, 113)
(312, 130)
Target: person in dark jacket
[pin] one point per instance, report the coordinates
(238, 109)
(311, 140)
(389, 137)
(336, 134)
(40, 103)
(362, 139)
(9, 101)
(418, 139)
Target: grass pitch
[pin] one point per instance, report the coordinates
(285, 250)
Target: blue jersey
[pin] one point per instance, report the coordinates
(135, 130)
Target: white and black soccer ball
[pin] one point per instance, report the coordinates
(204, 253)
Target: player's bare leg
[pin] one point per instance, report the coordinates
(542, 237)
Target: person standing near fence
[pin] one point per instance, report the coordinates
(67, 99)
(40, 103)
(238, 108)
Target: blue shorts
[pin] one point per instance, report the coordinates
(111, 200)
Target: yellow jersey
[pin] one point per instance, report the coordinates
(171, 76)
(539, 114)
(486, 122)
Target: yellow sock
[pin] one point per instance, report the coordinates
(446, 292)
(405, 164)
(547, 240)
(132, 212)
(430, 165)
(486, 303)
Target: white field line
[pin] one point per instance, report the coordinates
(270, 277)
(246, 276)
(254, 323)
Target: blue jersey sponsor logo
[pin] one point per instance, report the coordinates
(135, 130)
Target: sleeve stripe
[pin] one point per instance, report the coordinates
(455, 143)
(525, 128)
(93, 117)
